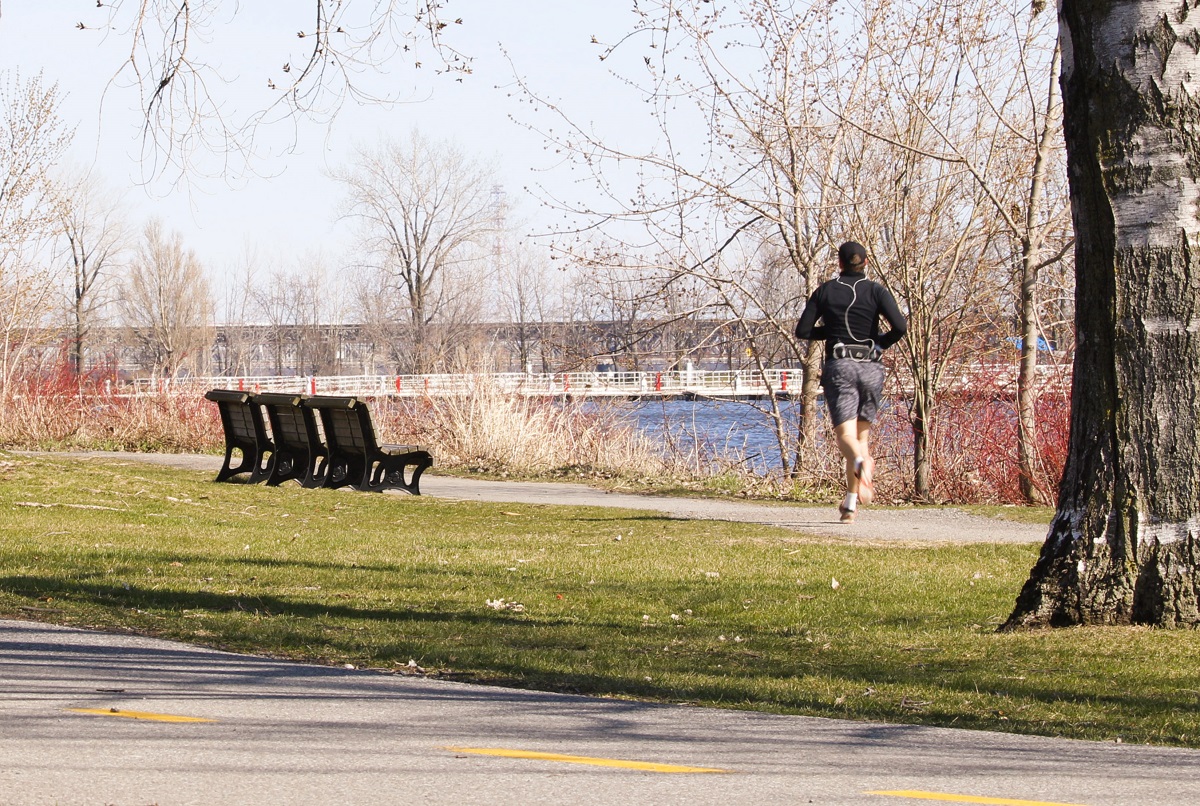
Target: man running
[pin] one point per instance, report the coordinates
(849, 307)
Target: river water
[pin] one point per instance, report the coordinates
(976, 457)
(720, 432)
(731, 430)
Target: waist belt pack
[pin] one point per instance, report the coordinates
(857, 352)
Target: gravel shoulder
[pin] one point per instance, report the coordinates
(874, 524)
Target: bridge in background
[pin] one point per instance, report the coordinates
(683, 383)
(989, 379)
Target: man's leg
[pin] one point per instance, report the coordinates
(840, 383)
(864, 473)
(870, 390)
(847, 437)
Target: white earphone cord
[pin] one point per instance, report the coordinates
(853, 299)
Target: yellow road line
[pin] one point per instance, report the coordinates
(138, 715)
(598, 762)
(968, 798)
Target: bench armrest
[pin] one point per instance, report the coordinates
(395, 450)
(227, 396)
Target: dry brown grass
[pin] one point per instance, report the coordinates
(80, 421)
(493, 432)
(487, 431)
(505, 435)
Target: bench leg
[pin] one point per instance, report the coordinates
(346, 471)
(318, 473)
(251, 462)
(264, 470)
(226, 470)
(414, 479)
(389, 474)
(289, 466)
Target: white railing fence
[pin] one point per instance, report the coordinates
(734, 383)
(688, 382)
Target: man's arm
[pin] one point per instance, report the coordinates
(896, 322)
(807, 327)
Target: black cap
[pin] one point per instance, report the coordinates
(852, 255)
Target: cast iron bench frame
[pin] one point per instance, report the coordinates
(245, 431)
(298, 445)
(355, 456)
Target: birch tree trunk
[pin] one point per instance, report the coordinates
(1028, 463)
(1124, 545)
(1032, 236)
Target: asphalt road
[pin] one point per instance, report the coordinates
(84, 720)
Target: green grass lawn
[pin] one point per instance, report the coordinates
(589, 600)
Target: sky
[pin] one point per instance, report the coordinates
(288, 209)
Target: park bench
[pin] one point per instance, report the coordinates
(355, 456)
(245, 432)
(297, 442)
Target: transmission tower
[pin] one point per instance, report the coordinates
(499, 222)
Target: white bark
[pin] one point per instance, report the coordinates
(1124, 544)
(1150, 45)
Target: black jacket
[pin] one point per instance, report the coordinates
(850, 306)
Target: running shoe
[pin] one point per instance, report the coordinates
(847, 514)
(866, 484)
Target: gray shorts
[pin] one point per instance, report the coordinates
(852, 389)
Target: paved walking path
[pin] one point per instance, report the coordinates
(891, 524)
(89, 718)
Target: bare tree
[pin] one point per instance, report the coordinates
(1124, 544)
(93, 240)
(1004, 133)
(306, 314)
(933, 245)
(321, 55)
(615, 307)
(789, 130)
(165, 303)
(324, 305)
(234, 347)
(426, 221)
(525, 294)
(931, 229)
(741, 156)
(32, 139)
(375, 311)
(1044, 236)
(273, 306)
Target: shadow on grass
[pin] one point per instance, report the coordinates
(1030, 709)
(123, 596)
(781, 674)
